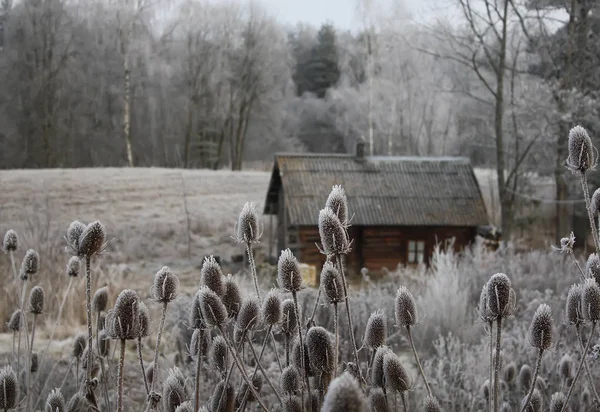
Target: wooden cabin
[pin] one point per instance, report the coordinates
(401, 207)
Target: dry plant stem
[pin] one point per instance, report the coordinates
(12, 263)
(28, 366)
(314, 311)
(262, 370)
(586, 365)
(159, 336)
(336, 332)
(23, 324)
(412, 345)
(304, 374)
(197, 385)
(275, 351)
(77, 375)
(120, 377)
(88, 307)
(242, 370)
(287, 350)
(536, 372)
(403, 401)
(107, 404)
(491, 325)
(497, 364)
(586, 195)
(581, 363)
(66, 376)
(59, 317)
(227, 378)
(253, 268)
(141, 359)
(260, 355)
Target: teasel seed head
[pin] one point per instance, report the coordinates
(376, 331)
(296, 357)
(338, 203)
(55, 402)
(144, 321)
(36, 300)
(212, 307)
(74, 232)
(35, 363)
(232, 298)
(377, 401)
(219, 354)
(78, 403)
(344, 394)
(9, 388)
(187, 406)
(211, 276)
(586, 396)
(124, 319)
(334, 236)
(249, 317)
(290, 321)
(557, 402)
(595, 204)
(272, 310)
(149, 372)
(482, 308)
(100, 299)
(289, 277)
(396, 376)
(536, 402)
(320, 349)
(592, 267)
(574, 310)
(498, 295)
(247, 230)
(238, 335)
(430, 404)
(405, 308)
(30, 264)
(103, 344)
(92, 240)
(11, 241)
(174, 393)
(200, 343)
(581, 152)
(292, 404)
(590, 300)
(165, 287)
(257, 383)
(510, 372)
(377, 370)
(541, 331)
(228, 402)
(79, 345)
(331, 284)
(525, 377)
(73, 267)
(290, 380)
(565, 367)
(14, 323)
(196, 320)
(484, 390)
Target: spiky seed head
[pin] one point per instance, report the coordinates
(498, 295)
(211, 305)
(574, 312)
(36, 300)
(581, 152)
(91, 240)
(272, 310)
(296, 357)
(55, 402)
(290, 320)
(320, 350)
(430, 404)
(30, 264)
(100, 299)
(103, 344)
(78, 403)
(166, 286)
(377, 401)
(73, 267)
(9, 388)
(396, 377)
(595, 203)
(200, 343)
(510, 372)
(331, 284)
(289, 277)
(592, 267)
(484, 390)
(14, 323)
(586, 396)
(11, 241)
(405, 308)
(536, 402)
(482, 308)
(174, 393)
(292, 404)
(377, 371)
(590, 300)
(345, 394)
(149, 372)
(211, 276)
(541, 331)
(232, 298)
(101, 321)
(249, 317)
(334, 236)
(247, 229)
(79, 344)
(196, 319)
(187, 406)
(525, 377)
(338, 203)
(219, 354)
(257, 383)
(238, 335)
(124, 319)
(290, 380)
(557, 402)
(376, 331)
(74, 232)
(144, 320)
(227, 404)
(565, 367)
(35, 363)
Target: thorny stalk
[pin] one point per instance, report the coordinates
(120, 377)
(141, 359)
(262, 350)
(304, 374)
(13, 265)
(152, 399)
(314, 311)
(287, 349)
(581, 363)
(253, 268)
(259, 366)
(28, 366)
(538, 364)
(412, 345)
(59, 317)
(336, 332)
(491, 326)
(197, 384)
(586, 365)
(88, 307)
(497, 363)
(275, 351)
(403, 401)
(586, 195)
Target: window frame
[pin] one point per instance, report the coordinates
(415, 249)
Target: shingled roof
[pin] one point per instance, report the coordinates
(381, 190)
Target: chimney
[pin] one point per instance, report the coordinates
(360, 148)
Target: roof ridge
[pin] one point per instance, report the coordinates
(375, 157)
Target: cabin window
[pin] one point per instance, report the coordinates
(416, 251)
